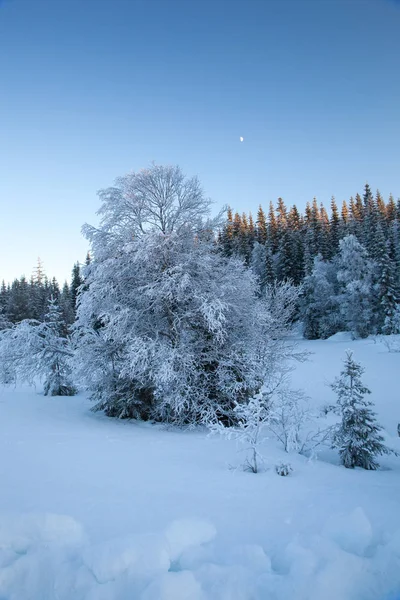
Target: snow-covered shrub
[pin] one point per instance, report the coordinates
(169, 328)
(288, 416)
(32, 349)
(251, 420)
(358, 437)
(391, 331)
(275, 407)
(283, 469)
(392, 342)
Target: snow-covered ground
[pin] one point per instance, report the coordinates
(94, 508)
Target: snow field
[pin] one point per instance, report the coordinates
(94, 508)
(49, 556)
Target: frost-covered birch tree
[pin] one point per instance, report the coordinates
(167, 328)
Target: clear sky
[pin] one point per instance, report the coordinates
(91, 89)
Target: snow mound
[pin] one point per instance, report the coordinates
(174, 586)
(351, 532)
(48, 556)
(19, 533)
(187, 533)
(341, 336)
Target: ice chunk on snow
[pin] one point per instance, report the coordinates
(144, 555)
(19, 533)
(303, 561)
(174, 586)
(251, 556)
(352, 532)
(185, 533)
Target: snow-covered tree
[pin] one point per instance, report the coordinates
(276, 405)
(4, 322)
(354, 275)
(168, 327)
(258, 263)
(358, 437)
(34, 350)
(320, 311)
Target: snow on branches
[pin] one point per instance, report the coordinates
(32, 350)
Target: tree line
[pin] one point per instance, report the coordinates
(29, 299)
(347, 262)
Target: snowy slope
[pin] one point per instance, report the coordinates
(97, 508)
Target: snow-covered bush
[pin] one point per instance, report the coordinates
(275, 407)
(284, 469)
(168, 328)
(392, 325)
(358, 437)
(31, 350)
(288, 415)
(251, 420)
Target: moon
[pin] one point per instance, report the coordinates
(241, 139)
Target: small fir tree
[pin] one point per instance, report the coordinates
(358, 437)
(33, 350)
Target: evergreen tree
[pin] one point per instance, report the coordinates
(76, 282)
(258, 264)
(308, 257)
(334, 229)
(319, 310)
(56, 352)
(281, 219)
(358, 437)
(32, 349)
(370, 220)
(270, 274)
(20, 305)
(261, 226)
(245, 241)
(391, 210)
(272, 229)
(394, 253)
(344, 220)
(252, 231)
(384, 294)
(4, 292)
(66, 305)
(226, 238)
(354, 274)
(325, 247)
(381, 209)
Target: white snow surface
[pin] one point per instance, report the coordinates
(99, 509)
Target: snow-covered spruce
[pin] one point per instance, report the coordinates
(355, 277)
(169, 328)
(320, 303)
(33, 350)
(358, 437)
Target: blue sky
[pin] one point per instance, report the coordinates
(90, 89)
